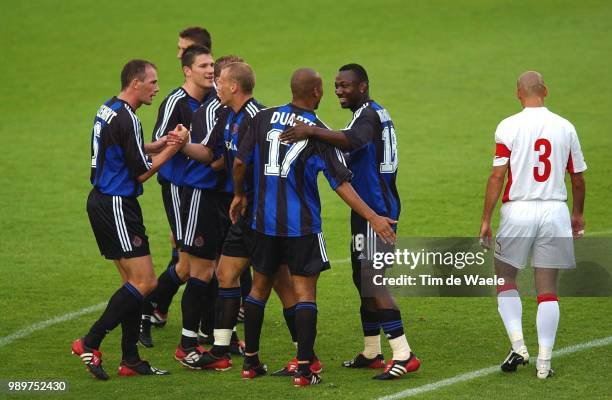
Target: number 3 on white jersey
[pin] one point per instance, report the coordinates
(273, 167)
(390, 161)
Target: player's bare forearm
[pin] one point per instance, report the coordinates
(218, 164)
(380, 225)
(578, 193)
(158, 160)
(198, 152)
(155, 147)
(302, 131)
(238, 174)
(335, 138)
(494, 188)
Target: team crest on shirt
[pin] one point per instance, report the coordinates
(234, 128)
(199, 241)
(137, 241)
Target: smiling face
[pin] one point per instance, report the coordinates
(349, 90)
(225, 87)
(147, 88)
(201, 72)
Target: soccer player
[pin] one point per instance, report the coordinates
(286, 214)
(534, 148)
(171, 276)
(119, 166)
(235, 86)
(193, 36)
(203, 121)
(206, 207)
(370, 140)
(177, 108)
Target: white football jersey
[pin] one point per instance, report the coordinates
(540, 146)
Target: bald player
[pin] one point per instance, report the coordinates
(287, 215)
(534, 149)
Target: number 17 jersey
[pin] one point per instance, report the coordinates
(540, 146)
(286, 199)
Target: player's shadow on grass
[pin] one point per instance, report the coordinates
(587, 279)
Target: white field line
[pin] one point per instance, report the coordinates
(597, 233)
(490, 370)
(27, 331)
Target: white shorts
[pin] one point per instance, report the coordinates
(538, 226)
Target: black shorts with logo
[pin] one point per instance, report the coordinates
(117, 225)
(200, 222)
(305, 255)
(171, 196)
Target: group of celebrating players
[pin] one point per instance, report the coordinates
(239, 187)
(239, 184)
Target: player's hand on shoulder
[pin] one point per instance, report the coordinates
(299, 131)
(383, 227)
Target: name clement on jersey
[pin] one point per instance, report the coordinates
(106, 113)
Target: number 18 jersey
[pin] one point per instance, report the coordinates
(373, 158)
(540, 146)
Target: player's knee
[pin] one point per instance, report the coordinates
(150, 284)
(227, 278)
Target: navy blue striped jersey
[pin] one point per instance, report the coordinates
(117, 150)
(229, 131)
(373, 158)
(177, 108)
(196, 174)
(286, 199)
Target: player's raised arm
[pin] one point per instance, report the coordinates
(302, 131)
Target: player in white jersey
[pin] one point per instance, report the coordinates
(534, 148)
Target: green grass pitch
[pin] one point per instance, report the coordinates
(446, 72)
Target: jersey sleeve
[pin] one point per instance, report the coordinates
(334, 165)
(215, 138)
(130, 136)
(362, 128)
(168, 117)
(246, 143)
(503, 145)
(575, 162)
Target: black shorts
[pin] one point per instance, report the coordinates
(305, 255)
(171, 195)
(240, 240)
(117, 224)
(199, 218)
(223, 201)
(364, 244)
